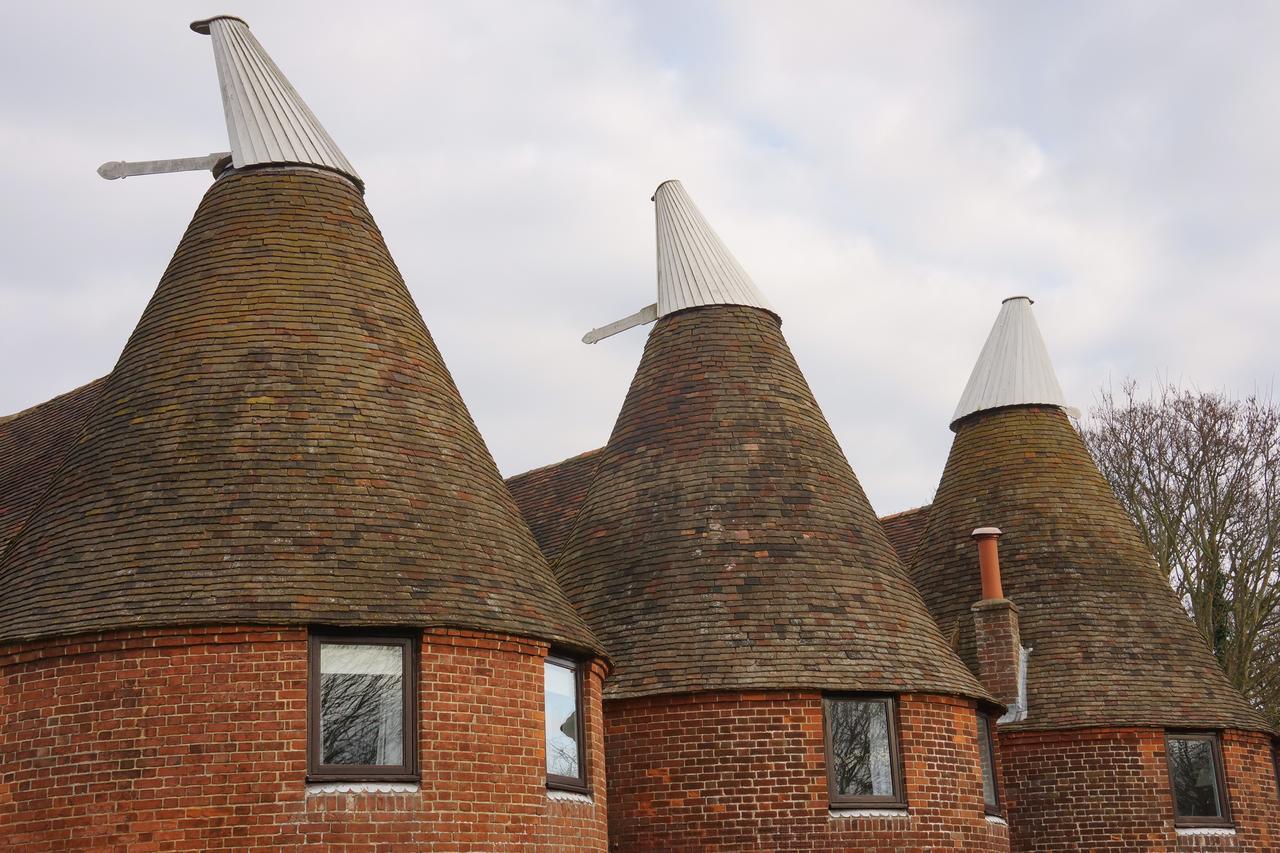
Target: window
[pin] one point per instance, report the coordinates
(862, 751)
(1195, 775)
(362, 708)
(987, 753)
(566, 759)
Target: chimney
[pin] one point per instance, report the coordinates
(995, 627)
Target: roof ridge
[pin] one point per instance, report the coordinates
(51, 401)
(576, 457)
(905, 511)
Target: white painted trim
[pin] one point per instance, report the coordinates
(315, 789)
(1018, 710)
(841, 813)
(996, 820)
(568, 796)
(1206, 830)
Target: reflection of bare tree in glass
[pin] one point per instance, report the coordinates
(358, 724)
(860, 748)
(1194, 782)
(562, 749)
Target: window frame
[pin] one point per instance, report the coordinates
(996, 810)
(1275, 763)
(1220, 778)
(407, 771)
(896, 800)
(575, 784)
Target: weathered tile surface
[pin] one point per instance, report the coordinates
(904, 530)
(725, 543)
(550, 497)
(32, 445)
(280, 442)
(1111, 644)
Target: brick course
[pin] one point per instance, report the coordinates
(1107, 789)
(746, 771)
(195, 739)
(998, 648)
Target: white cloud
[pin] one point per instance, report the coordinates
(886, 171)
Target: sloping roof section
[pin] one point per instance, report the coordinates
(33, 444)
(550, 497)
(904, 530)
(1013, 368)
(267, 120)
(694, 266)
(280, 442)
(1111, 644)
(725, 543)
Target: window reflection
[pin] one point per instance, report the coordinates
(1193, 768)
(990, 796)
(861, 754)
(361, 704)
(564, 753)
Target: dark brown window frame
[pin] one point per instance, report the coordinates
(405, 772)
(1275, 764)
(576, 784)
(1194, 822)
(897, 800)
(996, 810)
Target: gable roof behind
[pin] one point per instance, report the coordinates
(549, 498)
(33, 444)
(904, 530)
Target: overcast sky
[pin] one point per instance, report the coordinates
(886, 172)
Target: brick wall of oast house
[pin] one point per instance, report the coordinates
(1108, 790)
(746, 771)
(196, 740)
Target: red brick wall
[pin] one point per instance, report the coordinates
(996, 635)
(746, 771)
(196, 739)
(1108, 790)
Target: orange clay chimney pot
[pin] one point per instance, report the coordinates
(988, 539)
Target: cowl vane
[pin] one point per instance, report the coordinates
(267, 120)
(694, 266)
(1014, 368)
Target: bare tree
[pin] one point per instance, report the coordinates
(1199, 473)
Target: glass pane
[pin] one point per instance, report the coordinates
(1195, 778)
(988, 763)
(860, 756)
(562, 721)
(361, 704)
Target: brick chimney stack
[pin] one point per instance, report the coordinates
(995, 625)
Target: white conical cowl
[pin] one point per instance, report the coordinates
(267, 121)
(694, 267)
(1014, 367)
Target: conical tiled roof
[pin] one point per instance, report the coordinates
(724, 542)
(280, 442)
(1111, 644)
